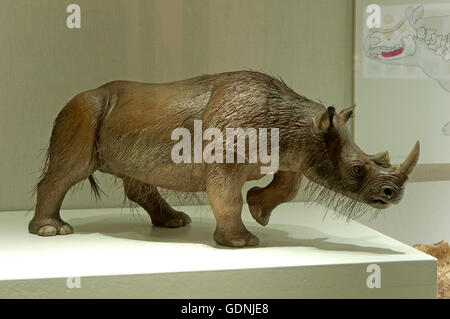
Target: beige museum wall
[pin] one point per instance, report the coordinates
(43, 63)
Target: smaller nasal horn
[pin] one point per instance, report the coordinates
(387, 191)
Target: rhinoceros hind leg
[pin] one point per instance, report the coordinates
(71, 158)
(50, 194)
(47, 220)
(147, 196)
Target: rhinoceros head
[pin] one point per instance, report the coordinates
(333, 160)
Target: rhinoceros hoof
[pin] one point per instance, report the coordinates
(65, 229)
(247, 239)
(180, 219)
(261, 215)
(49, 227)
(49, 230)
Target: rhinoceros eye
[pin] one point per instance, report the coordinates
(355, 170)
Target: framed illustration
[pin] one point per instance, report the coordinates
(402, 77)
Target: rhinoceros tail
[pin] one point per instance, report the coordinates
(96, 190)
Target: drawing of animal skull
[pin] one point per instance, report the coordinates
(396, 42)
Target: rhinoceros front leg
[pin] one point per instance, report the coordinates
(147, 196)
(283, 188)
(224, 192)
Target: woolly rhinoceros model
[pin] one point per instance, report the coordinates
(127, 129)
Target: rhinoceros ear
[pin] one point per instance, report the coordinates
(381, 158)
(414, 15)
(325, 120)
(347, 113)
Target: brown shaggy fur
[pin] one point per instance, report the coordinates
(124, 128)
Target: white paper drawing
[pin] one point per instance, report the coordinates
(419, 41)
(402, 78)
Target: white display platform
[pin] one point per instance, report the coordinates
(117, 253)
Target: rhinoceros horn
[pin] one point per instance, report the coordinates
(410, 162)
